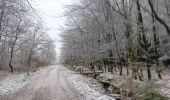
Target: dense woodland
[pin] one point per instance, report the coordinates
(122, 45)
(131, 35)
(23, 39)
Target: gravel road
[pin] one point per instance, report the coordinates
(50, 84)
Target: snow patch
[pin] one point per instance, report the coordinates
(14, 82)
(87, 87)
(105, 97)
(107, 75)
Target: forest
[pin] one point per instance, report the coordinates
(125, 37)
(24, 43)
(124, 33)
(104, 49)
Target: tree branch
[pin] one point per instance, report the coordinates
(161, 21)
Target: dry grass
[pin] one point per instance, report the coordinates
(163, 85)
(4, 74)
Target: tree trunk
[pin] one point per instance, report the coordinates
(10, 61)
(127, 70)
(11, 68)
(121, 70)
(131, 51)
(140, 74)
(156, 41)
(134, 73)
(149, 72)
(159, 75)
(28, 63)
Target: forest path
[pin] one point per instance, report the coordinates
(51, 84)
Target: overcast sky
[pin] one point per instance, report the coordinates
(51, 12)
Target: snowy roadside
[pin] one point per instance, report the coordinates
(85, 87)
(14, 82)
(89, 88)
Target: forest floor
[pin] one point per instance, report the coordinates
(162, 86)
(51, 83)
(165, 83)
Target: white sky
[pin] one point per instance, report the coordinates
(51, 12)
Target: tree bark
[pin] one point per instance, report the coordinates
(121, 70)
(149, 72)
(10, 61)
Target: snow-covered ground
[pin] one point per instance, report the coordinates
(161, 86)
(51, 83)
(88, 87)
(14, 82)
(85, 87)
(164, 84)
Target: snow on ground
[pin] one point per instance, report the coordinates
(104, 97)
(107, 76)
(88, 87)
(164, 84)
(85, 87)
(14, 82)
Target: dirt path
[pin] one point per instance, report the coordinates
(50, 84)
